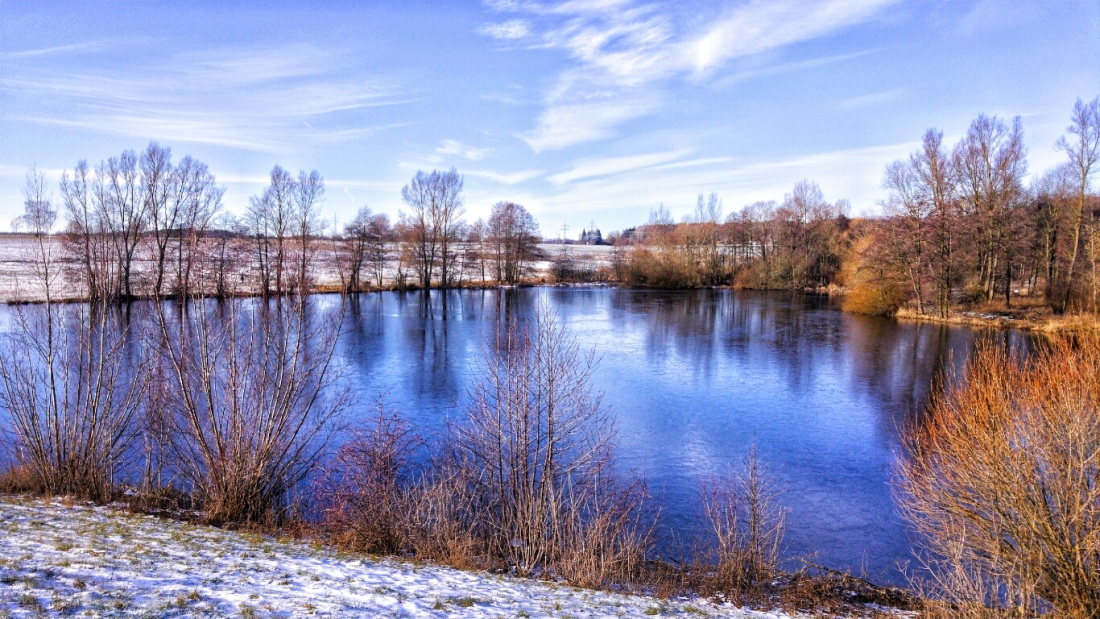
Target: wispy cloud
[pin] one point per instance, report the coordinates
(870, 99)
(851, 173)
(622, 56)
(511, 30)
(57, 50)
(505, 178)
(567, 123)
(763, 25)
(592, 168)
(744, 75)
(454, 147)
(267, 100)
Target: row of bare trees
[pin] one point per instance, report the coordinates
(141, 225)
(438, 241)
(112, 208)
(962, 225)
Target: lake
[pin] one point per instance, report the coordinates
(694, 379)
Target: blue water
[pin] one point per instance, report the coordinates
(693, 380)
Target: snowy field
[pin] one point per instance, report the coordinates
(18, 253)
(70, 560)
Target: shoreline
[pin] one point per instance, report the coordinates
(1046, 324)
(1049, 325)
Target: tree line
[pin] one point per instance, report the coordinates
(142, 225)
(960, 226)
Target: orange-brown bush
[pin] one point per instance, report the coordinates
(1002, 481)
(19, 478)
(663, 267)
(875, 297)
(874, 286)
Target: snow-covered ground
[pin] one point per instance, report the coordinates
(59, 559)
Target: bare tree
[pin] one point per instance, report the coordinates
(308, 192)
(513, 239)
(435, 209)
(448, 219)
(937, 186)
(163, 209)
(991, 162)
(201, 201)
(807, 227)
(39, 218)
(477, 249)
(1083, 150)
(377, 255)
(907, 209)
(708, 235)
(270, 219)
(121, 200)
(180, 201)
(65, 382)
(227, 252)
(86, 237)
(352, 250)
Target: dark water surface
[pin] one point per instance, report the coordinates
(693, 379)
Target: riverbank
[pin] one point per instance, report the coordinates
(1042, 322)
(60, 558)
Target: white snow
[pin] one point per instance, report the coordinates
(61, 559)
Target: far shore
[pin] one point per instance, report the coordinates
(1035, 322)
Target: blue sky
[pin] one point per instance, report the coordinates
(582, 110)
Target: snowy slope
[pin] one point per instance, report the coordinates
(83, 561)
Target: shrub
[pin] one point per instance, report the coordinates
(662, 267)
(542, 445)
(1002, 482)
(875, 297)
(747, 521)
(72, 387)
(367, 485)
(248, 396)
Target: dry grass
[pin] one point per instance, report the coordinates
(19, 478)
(1030, 317)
